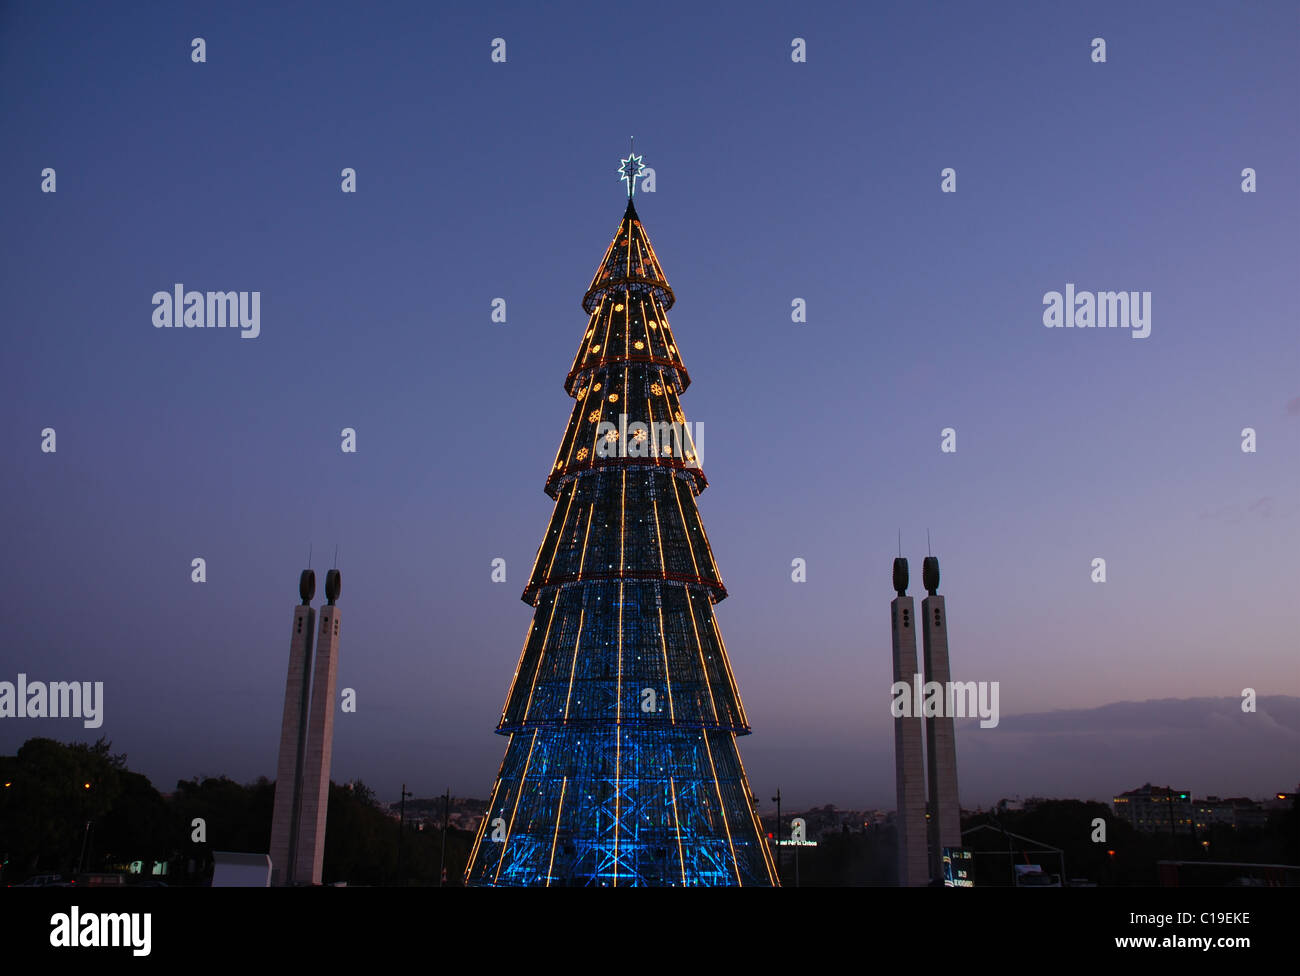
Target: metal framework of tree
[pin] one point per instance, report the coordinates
(622, 766)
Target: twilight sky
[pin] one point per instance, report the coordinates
(774, 181)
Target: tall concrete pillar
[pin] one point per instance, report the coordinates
(909, 774)
(293, 737)
(320, 740)
(940, 740)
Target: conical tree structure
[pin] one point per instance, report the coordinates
(622, 766)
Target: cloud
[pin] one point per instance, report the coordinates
(1208, 745)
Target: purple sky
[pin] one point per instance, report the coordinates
(775, 180)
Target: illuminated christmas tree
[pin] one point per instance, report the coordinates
(622, 766)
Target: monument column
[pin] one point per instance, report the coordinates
(908, 772)
(940, 738)
(320, 740)
(293, 737)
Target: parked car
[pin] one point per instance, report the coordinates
(40, 881)
(1032, 876)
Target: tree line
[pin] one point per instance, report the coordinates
(77, 808)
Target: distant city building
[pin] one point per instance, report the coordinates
(1236, 811)
(465, 813)
(1152, 809)
(1281, 801)
(1016, 804)
(830, 819)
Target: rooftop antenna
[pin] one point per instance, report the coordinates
(309, 555)
(900, 543)
(927, 543)
(336, 556)
(631, 162)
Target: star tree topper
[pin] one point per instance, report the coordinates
(630, 170)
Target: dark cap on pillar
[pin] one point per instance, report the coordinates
(900, 576)
(307, 586)
(930, 574)
(333, 584)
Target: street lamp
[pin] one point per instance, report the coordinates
(777, 798)
(446, 813)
